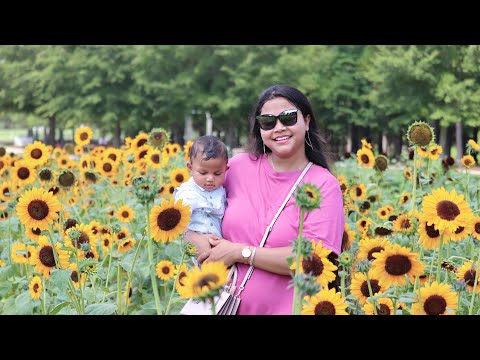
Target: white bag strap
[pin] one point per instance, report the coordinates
(269, 227)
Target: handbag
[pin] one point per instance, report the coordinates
(227, 302)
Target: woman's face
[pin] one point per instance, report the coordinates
(284, 141)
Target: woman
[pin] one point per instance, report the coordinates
(284, 138)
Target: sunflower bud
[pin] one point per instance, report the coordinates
(74, 235)
(308, 197)
(420, 134)
(116, 227)
(158, 137)
(345, 258)
(307, 284)
(306, 247)
(363, 266)
(189, 249)
(145, 189)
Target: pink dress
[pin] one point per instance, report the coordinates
(255, 192)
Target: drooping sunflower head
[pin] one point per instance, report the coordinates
(436, 299)
(420, 134)
(38, 208)
(66, 179)
(126, 244)
(168, 220)
(381, 163)
(325, 302)
(206, 282)
(83, 135)
(308, 197)
(158, 137)
(395, 264)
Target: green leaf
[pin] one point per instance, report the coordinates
(60, 278)
(24, 303)
(100, 309)
(126, 262)
(6, 272)
(59, 307)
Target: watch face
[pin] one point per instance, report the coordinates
(246, 252)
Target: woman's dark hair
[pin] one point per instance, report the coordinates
(317, 155)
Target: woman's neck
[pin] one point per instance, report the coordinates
(289, 164)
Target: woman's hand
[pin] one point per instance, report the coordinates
(222, 250)
(200, 241)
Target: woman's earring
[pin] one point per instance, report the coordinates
(307, 140)
(264, 149)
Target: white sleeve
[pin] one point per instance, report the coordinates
(188, 196)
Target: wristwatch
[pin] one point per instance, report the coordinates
(246, 253)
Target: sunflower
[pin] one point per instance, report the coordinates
(19, 253)
(358, 192)
(476, 227)
(436, 299)
(467, 273)
(381, 163)
(38, 208)
(359, 286)
(468, 161)
(106, 167)
(168, 220)
(6, 190)
(363, 225)
(343, 186)
(434, 152)
(205, 282)
(4, 163)
(461, 233)
(158, 137)
(348, 237)
(139, 140)
(407, 173)
(364, 207)
(44, 258)
(325, 302)
(367, 247)
(446, 210)
(92, 253)
(181, 272)
(165, 270)
(78, 150)
(62, 161)
(365, 157)
(154, 158)
(394, 264)
(126, 244)
(420, 134)
(45, 174)
(83, 135)
(74, 276)
(32, 234)
(404, 224)
(35, 287)
(87, 162)
(318, 265)
(384, 307)
(106, 242)
(308, 197)
(112, 154)
(423, 151)
(186, 149)
(66, 179)
(404, 198)
(86, 236)
(122, 234)
(179, 176)
(473, 144)
(125, 214)
(141, 153)
(23, 173)
(366, 144)
(429, 235)
(36, 154)
(383, 213)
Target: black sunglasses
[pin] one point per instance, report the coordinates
(268, 121)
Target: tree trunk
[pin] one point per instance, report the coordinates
(385, 144)
(449, 141)
(443, 139)
(50, 138)
(209, 123)
(348, 148)
(188, 132)
(229, 137)
(381, 148)
(61, 139)
(475, 138)
(355, 138)
(117, 136)
(458, 139)
(398, 143)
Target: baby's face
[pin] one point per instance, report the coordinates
(208, 174)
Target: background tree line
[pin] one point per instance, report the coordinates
(357, 91)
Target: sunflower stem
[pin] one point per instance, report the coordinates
(467, 173)
(82, 300)
(129, 279)
(212, 301)
(119, 290)
(175, 283)
(152, 264)
(439, 261)
(297, 296)
(108, 272)
(414, 177)
(44, 296)
(374, 302)
(342, 282)
(474, 290)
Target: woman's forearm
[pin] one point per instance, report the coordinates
(272, 259)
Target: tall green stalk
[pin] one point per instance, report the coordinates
(152, 264)
(439, 261)
(297, 296)
(474, 290)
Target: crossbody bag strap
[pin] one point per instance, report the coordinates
(269, 227)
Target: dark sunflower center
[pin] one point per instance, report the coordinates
(90, 255)
(324, 308)
(406, 224)
(74, 276)
(46, 256)
(171, 189)
(83, 136)
(142, 154)
(310, 194)
(421, 135)
(166, 270)
(343, 187)
(112, 156)
(477, 227)
(373, 284)
(383, 310)
(179, 178)
(381, 164)
(141, 142)
(168, 219)
(38, 209)
(6, 191)
(398, 265)
(107, 167)
(35, 288)
(69, 224)
(365, 159)
(365, 206)
(23, 173)
(313, 265)
(106, 242)
(447, 210)
(181, 277)
(90, 176)
(469, 277)
(125, 214)
(45, 175)
(54, 190)
(3, 151)
(431, 232)
(36, 231)
(383, 213)
(207, 280)
(372, 198)
(467, 162)
(358, 191)
(435, 305)
(381, 231)
(459, 230)
(372, 251)
(155, 158)
(121, 235)
(36, 154)
(345, 237)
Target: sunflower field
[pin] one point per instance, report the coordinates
(96, 230)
